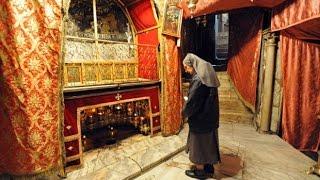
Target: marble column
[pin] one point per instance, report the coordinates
(266, 106)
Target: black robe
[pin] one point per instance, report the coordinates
(202, 107)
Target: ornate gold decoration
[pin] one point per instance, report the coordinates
(119, 71)
(192, 4)
(96, 73)
(105, 72)
(90, 73)
(73, 74)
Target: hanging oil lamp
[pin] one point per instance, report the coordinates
(111, 134)
(100, 114)
(144, 129)
(192, 4)
(84, 142)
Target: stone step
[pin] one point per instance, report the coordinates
(225, 85)
(235, 106)
(229, 116)
(222, 75)
(226, 97)
(227, 92)
(224, 80)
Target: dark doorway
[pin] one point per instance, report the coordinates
(207, 36)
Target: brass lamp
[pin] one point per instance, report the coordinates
(192, 4)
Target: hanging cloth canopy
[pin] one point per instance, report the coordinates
(213, 6)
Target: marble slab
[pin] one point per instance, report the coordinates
(129, 157)
(245, 154)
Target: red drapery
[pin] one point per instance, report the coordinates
(214, 6)
(295, 12)
(301, 97)
(30, 49)
(299, 23)
(148, 64)
(172, 97)
(245, 45)
(143, 17)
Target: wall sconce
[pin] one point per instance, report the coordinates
(192, 4)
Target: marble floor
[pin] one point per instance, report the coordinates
(130, 157)
(245, 154)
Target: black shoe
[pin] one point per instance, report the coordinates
(195, 173)
(208, 168)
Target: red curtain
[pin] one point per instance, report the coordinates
(301, 92)
(143, 17)
(245, 45)
(215, 6)
(295, 12)
(147, 53)
(172, 97)
(30, 91)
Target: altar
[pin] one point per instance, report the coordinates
(111, 78)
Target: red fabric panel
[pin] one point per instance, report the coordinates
(30, 91)
(295, 12)
(309, 30)
(142, 15)
(301, 93)
(148, 64)
(149, 37)
(214, 6)
(172, 97)
(245, 45)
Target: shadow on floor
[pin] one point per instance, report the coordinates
(231, 165)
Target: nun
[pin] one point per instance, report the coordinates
(202, 112)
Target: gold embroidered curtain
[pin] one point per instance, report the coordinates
(30, 50)
(172, 97)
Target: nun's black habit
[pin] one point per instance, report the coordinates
(202, 111)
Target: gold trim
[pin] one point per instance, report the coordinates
(162, 92)
(99, 68)
(131, 22)
(156, 114)
(71, 138)
(154, 11)
(148, 29)
(73, 158)
(151, 117)
(133, 2)
(61, 84)
(79, 109)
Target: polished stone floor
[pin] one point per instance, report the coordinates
(246, 154)
(130, 157)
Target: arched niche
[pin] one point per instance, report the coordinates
(100, 46)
